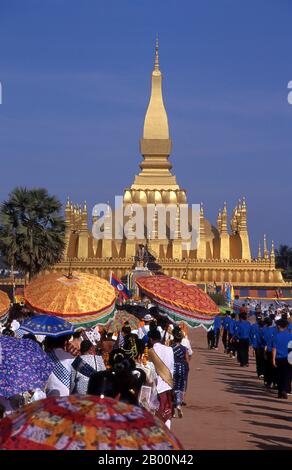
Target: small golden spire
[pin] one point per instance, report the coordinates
(68, 203)
(219, 220)
(273, 255)
(266, 253)
(156, 64)
(84, 207)
(260, 252)
(224, 219)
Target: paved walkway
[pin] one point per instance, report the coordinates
(228, 407)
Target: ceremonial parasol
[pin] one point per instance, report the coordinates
(180, 301)
(84, 423)
(82, 299)
(47, 325)
(23, 366)
(121, 317)
(4, 305)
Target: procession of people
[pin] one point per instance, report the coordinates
(266, 332)
(142, 361)
(146, 367)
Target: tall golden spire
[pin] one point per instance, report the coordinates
(155, 145)
(156, 122)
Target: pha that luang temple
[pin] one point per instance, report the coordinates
(223, 251)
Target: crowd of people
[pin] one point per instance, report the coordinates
(147, 366)
(269, 334)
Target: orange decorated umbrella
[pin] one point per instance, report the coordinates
(4, 305)
(82, 299)
(84, 423)
(122, 317)
(179, 300)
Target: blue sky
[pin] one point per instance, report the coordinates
(76, 81)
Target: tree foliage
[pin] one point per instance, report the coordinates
(32, 230)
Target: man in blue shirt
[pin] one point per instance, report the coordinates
(269, 333)
(243, 334)
(217, 328)
(257, 342)
(231, 339)
(225, 325)
(280, 358)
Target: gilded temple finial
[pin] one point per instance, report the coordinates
(259, 252)
(156, 64)
(156, 122)
(266, 253)
(219, 220)
(224, 228)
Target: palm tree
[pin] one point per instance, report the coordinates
(31, 230)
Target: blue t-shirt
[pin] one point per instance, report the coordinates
(236, 324)
(280, 343)
(243, 331)
(217, 323)
(290, 327)
(231, 327)
(256, 336)
(269, 333)
(226, 322)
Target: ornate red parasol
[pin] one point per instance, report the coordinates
(84, 423)
(179, 300)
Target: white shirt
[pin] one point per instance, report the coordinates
(142, 331)
(166, 355)
(186, 343)
(54, 386)
(15, 325)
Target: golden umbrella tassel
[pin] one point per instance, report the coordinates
(4, 305)
(82, 299)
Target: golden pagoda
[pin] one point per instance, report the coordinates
(222, 254)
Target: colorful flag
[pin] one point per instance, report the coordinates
(228, 293)
(232, 293)
(120, 286)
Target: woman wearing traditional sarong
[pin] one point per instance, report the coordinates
(162, 358)
(181, 370)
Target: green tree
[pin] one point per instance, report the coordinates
(284, 259)
(32, 230)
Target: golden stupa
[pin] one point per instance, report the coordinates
(222, 255)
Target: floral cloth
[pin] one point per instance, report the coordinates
(23, 366)
(84, 422)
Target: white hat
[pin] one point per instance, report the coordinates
(148, 317)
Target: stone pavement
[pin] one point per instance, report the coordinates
(228, 406)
